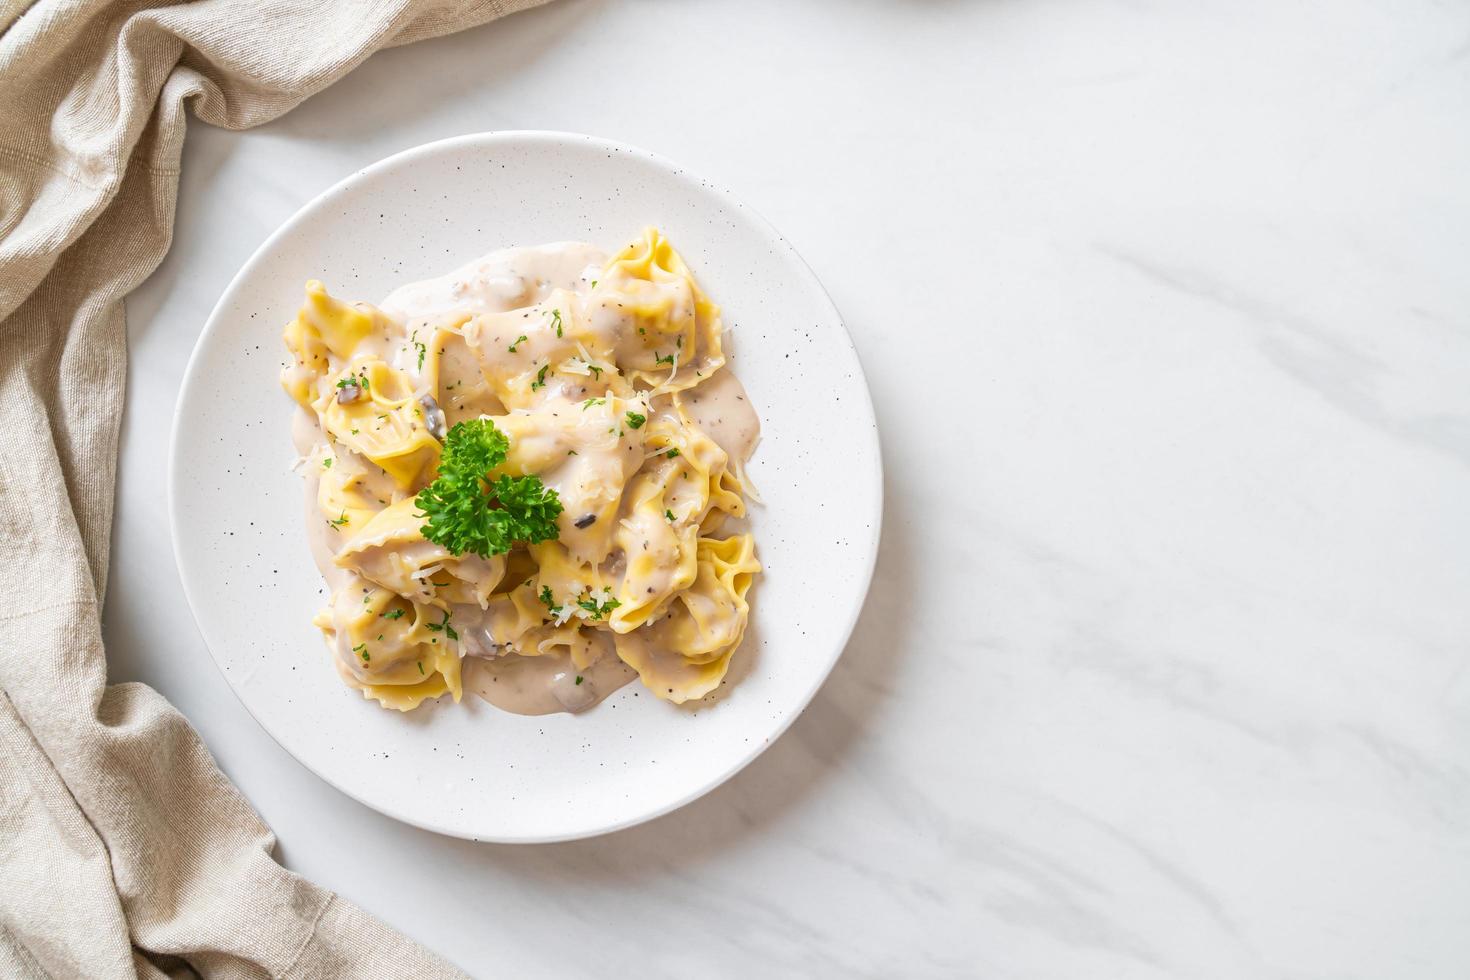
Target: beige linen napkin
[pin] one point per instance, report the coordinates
(123, 849)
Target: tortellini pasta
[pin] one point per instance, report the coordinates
(600, 374)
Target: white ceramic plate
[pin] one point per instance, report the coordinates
(469, 769)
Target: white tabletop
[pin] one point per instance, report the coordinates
(1166, 316)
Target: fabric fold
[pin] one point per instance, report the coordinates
(123, 848)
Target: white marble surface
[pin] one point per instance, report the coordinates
(1166, 314)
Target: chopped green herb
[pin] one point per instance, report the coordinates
(354, 432)
(519, 340)
(421, 668)
(665, 360)
(339, 521)
(571, 452)
(540, 381)
(598, 609)
(467, 511)
(362, 651)
(579, 680)
(556, 321)
(594, 284)
(327, 463)
(443, 627)
(593, 401)
(549, 601)
(596, 372)
(392, 614)
(670, 515)
(672, 453)
(422, 349)
(635, 421)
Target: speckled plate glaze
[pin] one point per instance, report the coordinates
(468, 769)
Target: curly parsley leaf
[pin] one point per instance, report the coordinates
(466, 511)
(635, 421)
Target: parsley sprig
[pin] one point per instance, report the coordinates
(466, 511)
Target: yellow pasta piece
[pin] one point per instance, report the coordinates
(391, 550)
(386, 647)
(679, 327)
(584, 646)
(344, 497)
(659, 553)
(452, 372)
(383, 421)
(567, 577)
(685, 654)
(510, 615)
(323, 326)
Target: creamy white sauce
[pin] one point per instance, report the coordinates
(323, 539)
(508, 279)
(546, 684)
(720, 407)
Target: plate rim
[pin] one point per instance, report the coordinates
(213, 324)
